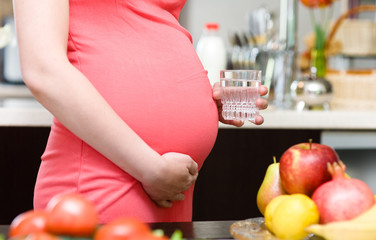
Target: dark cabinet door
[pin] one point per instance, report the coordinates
(228, 182)
(21, 149)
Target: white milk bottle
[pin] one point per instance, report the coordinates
(212, 52)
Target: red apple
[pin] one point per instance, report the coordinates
(304, 167)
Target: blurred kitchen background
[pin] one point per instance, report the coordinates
(237, 17)
(272, 35)
(233, 15)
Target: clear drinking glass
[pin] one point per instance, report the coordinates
(239, 91)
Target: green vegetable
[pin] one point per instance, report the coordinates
(158, 232)
(177, 235)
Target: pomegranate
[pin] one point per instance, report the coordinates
(342, 198)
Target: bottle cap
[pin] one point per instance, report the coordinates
(212, 26)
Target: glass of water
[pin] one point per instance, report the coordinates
(239, 92)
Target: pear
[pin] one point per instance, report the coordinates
(271, 186)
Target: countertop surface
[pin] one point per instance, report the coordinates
(325, 120)
(274, 119)
(19, 108)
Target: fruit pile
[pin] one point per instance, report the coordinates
(72, 217)
(308, 192)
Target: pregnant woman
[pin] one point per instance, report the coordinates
(134, 114)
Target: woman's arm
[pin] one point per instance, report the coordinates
(42, 30)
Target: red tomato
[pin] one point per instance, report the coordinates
(42, 236)
(148, 236)
(122, 229)
(316, 3)
(72, 215)
(28, 222)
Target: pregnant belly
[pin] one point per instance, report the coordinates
(161, 91)
(178, 116)
(184, 120)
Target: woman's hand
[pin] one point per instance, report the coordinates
(171, 177)
(260, 104)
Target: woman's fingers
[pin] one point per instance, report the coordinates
(178, 197)
(263, 90)
(236, 123)
(164, 203)
(193, 169)
(258, 120)
(261, 103)
(216, 91)
(168, 203)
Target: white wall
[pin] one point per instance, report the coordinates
(231, 14)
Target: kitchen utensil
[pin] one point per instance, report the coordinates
(311, 92)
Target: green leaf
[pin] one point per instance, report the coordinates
(320, 37)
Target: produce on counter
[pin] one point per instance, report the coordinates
(71, 216)
(303, 167)
(362, 227)
(28, 222)
(125, 228)
(287, 216)
(270, 209)
(320, 198)
(42, 236)
(271, 186)
(342, 198)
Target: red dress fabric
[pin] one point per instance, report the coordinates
(143, 63)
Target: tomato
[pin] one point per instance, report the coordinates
(316, 3)
(147, 236)
(71, 214)
(42, 236)
(31, 221)
(122, 229)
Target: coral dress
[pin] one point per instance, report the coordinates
(144, 64)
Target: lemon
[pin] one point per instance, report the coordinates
(288, 216)
(270, 208)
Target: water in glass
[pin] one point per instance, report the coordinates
(239, 97)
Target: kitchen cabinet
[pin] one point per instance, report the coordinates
(20, 152)
(228, 182)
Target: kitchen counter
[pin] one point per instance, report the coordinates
(324, 120)
(19, 108)
(25, 117)
(274, 119)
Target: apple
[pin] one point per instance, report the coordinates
(304, 166)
